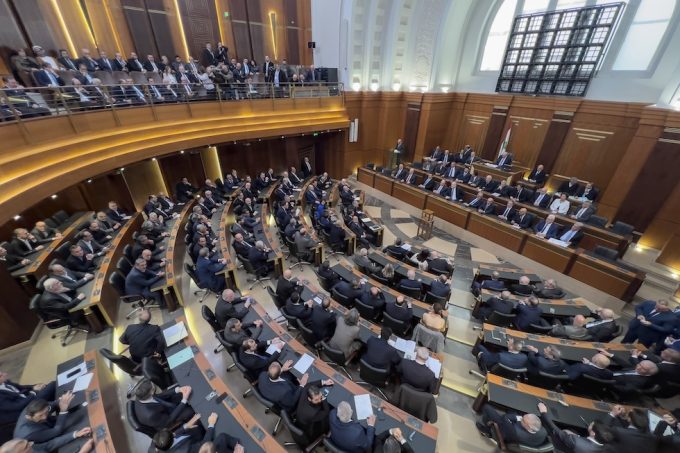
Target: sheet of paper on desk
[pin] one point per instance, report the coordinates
(180, 357)
(365, 219)
(71, 374)
(405, 346)
(175, 334)
(406, 247)
(362, 404)
(558, 242)
(82, 382)
(654, 420)
(434, 365)
(357, 198)
(488, 164)
(297, 189)
(274, 347)
(317, 300)
(304, 363)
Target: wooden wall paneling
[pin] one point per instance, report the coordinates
(553, 140)
(143, 179)
(529, 129)
(304, 21)
(241, 32)
(165, 30)
(293, 41)
(137, 19)
(211, 163)
(658, 176)
(434, 124)
(110, 35)
(98, 191)
(494, 133)
(392, 120)
(410, 136)
(40, 22)
(473, 130)
(225, 26)
(79, 30)
(17, 322)
(367, 110)
(665, 224)
(119, 30)
(670, 253)
(261, 43)
(176, 166)
(200, 24)
(454, 138)
(11, 37)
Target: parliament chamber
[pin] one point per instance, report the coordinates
(343, 226)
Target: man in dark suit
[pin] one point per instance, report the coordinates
(504, 190)
(573, 235)
(547, 228)
(416, 373)
(439, 263)
(541, 198)
(322, 322)
(297, 308)
(400, 173)
(603, 327)
(501, 304)
(350, 290)
(411, 177)
(66, 61)
(336, 236)
(267, 69)
(379, 353)
(441, 286)
(140, 280)
(521, 194)
(548, 361)
(653, 322)
(515, 429)
(259, 259)
(207, 269)
(187, 439)
(455, 192)
(399, 150)
(24, 243)
(208, 56)
(184, 191)
(349, 435)
(145, 339)
(161, 410)
(15, 397)
(449, 172)
(225, 307)
(78, 261)
(443, 189)
(508, 212)
(527, 313)
(584, 213)
(522, 219)
(596, 367)
(410, 281)
(589, 192)
(86, 60)
(571, 187)
(278, 387)
(254, 357)
(523, 288)
(119, 62)
(476, 202)
(105, 64)
(493, 283)
(600, 436)
(134, 64)
(19, 100)
(549, 290)
(472, 158)
(462, 155)
(488, 208)
(504, 161)
(47, 432)
(400, 310)
(512, 358)
(235, 332)
(287, 285)
(312, 412)
(489, 184)
(537, 175)
(151, 65)
(116, 214)
(306, 167)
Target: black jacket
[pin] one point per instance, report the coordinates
(381, 354)
(144, 340)
(313, 419)
(416, 375)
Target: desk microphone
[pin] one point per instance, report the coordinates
(191, 367)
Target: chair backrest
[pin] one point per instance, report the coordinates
(60, 216)
(296, 433)
(414, 401)
(433, 298)
(127, 251)
(244, 371)
(606, 253)
(365, 311)
(398, 326)
(373, 375)
(154, 371)
(275, 298)
(597, 221)
(134, 421)
(544, 327)
(399, 256)
(62, 251)
(341, 298)
(123, 266)
(307, 334)
(382, 279)
(51, 223)
(323, 281)
(192, 274)
(124, 363)
(410, 292)
(247, 265)
(264, 401)
(335, 355)
(210, 318)
(588, 377)
(505, 371)
(118, 282)
(501, 319)
(437, 271)
(331, 447)
(40, 284)
(554, 377)
(622, 228)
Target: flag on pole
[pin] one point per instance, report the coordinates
(504, 144)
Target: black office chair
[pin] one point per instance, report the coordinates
(126, 364)
(136, 301)
(127, 252)
(399, 256)
(40, 284)
(270, 406)
(410, 292)
(215, 326)
(275, 298)
(622, 228)
(191, 270)
(337, 357)
(331, 447)
(367, 312)
(291, 321)
(375, 378)
(60, 217)
(549, 380)
(294, 253)
(543, 327)
(54, 321)
(157, 373)
(308, 337)
(590, 386)
(135, 424)
(51, 223)
(259, 278)
(123, 266)
(617, 333)
(299, 436)
(598, 221)
(382, 279)
(437, 271)
(497, 438)
(341, 299)
(399, 327)
(323, 282)
(245, 373)
(62, 252)
(433, 298)
(416, 402)
(501, 319)
(605, 253)
(514, 374)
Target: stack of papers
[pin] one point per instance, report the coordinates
(72, 374)
(434, 365)
(274, 347)
(317, 300)
(175, 334)
(304, 363)
(83, 382)
(408, 347)
(365, 219)
(362, 405)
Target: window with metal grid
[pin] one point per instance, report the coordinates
(557, 52)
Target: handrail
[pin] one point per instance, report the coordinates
(20, 103)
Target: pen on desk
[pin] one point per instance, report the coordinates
(412, 435)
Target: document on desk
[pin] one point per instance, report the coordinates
(180, 357)
(362, 404)
(405, 346)
(304, 363)
(82, 382)
(175, 334)
(407, 247)
(654, 420)
(274, 347)
(71, 374)
(434, 365)
(558, 242)
(357, 198)
(366, 220)
(317, 300)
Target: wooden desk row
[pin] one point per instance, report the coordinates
(401, 268)
(507, 273)
(550, 307)
(220, 222)
(578, 264)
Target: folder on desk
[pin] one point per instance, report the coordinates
(434, 365)
(175, 333)
(180, 357)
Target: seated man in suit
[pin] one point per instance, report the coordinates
(140, 280)
(441, 286)
(11, 262)
(493, 284)
(400, 309)
(259, 259)
(523, 288)
(440, 263)
(489, 207)
(235, 332)
(363, 237)
(450, 172)
(287, 285)
(411, 177)
(410, 281)
(502, 304)
(400, 173)
(187, 439)
(298, 308)
(541, 198)
(522, 219)
(477, 202)
(306, 245)
(379, 353)
(225, 307)
(350, 290)
(508, 212)
(206, 270)
(254, 357)
(595, 367)
(528, 312)
(241, 246)
(91, 246)
(164, 409)
(322, 322)
(635, 374)
(57, 300)
(571, 187)
(575, 331)
(455, 193)
(504, 161)
(520, 194)
(365, 264)
(349, 435)
(537, 175)
(548, 361)
(79, 261)
(588, 192)
(399, 249)
(373, 297)
(585, 212)
(599, 440)
(24, 243)
(184, 191)
(416, 373)
(652, 323)
(280, 387)
(603, 327)
(573, 235)
(547, 228)
(515, 429)
(48, 432)
(429, 183)
(144, 339)
(336, 235)
(44, 234)
(116, 214)
(15, 397)
(512, 358)
(549, 290)
(443, 189)
(488, 184)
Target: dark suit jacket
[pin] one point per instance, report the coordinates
(568, 441)
(577, 369)
(258, 362)
(402, 313)
(380, 354)
(507, 163)
(570, 190)
(587, 214)
(539, 177)
(411, 284)
(121, 65)
(556, 293)
(322, 323)
(299, 310)
(205, 271)
(488, 208)
(351, 436)
(490, 187)
(138, 282)
(416, 375)
(284, 393)
(458, 195)
(135, 64)
(525, 221)
(591, 195)
(80, 264)
(225, 310)
(284, 288)
(163, 412)
(463, 177)
(13, 403)
(257, 258)
(347, 290)
(496, 304)
(523, 290)
(380, 441)
(662, 324)
(49, 435)
(538, 362)
(312, 419)
(144, 340)
(439, 289)
(527, 314)
(603, 332)
(552, 230)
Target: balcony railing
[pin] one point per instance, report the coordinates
(20, 104)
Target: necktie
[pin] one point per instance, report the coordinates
(139, 93)
(580, 213)
(155, 90)
(52, 78)
(28, 244)
(108, 63)
(566, 237)
(545, 228)
(538, 200)
(505, 213)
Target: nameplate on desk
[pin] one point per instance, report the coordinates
(598, 345)
(257, 433)
(286, 337)
(231, 402)
(266, 318)
(602, 406)
(509, 383)
(555, 396)
(570, 302)
(414, 422)
(99, 432)
(93, 396)
(533, 336)
(338, 378)
(565, 341)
